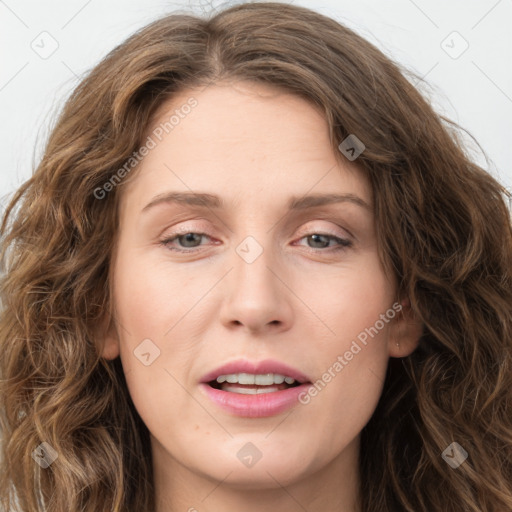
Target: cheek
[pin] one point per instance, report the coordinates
(352, 354)
(151, 295)
(348, 299)
(152, 304)
(344, 397)
(151, 307)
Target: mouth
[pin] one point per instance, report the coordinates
(252, 378)
(255, 389)
(251, 389)
(254, 395)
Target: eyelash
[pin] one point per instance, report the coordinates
(343, 243)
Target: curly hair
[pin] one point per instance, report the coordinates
(443, 227)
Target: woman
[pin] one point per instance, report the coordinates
(340, 341)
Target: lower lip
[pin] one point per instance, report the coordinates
(255, 406)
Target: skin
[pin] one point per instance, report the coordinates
(300, 302)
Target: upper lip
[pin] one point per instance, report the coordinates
(258, 367)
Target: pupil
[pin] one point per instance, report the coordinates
(315, 238)
(188, 239)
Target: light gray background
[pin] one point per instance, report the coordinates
(474, 89)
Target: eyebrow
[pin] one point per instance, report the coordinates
(215, 202)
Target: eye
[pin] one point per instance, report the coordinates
(189, 240)
(326, 238)
(192, 240)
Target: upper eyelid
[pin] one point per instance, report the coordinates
(308, 228)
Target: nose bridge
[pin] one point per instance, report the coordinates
(252, 278)
(255, 252)
(256, 296)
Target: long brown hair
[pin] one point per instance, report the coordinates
(443, 227)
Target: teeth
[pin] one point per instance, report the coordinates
(249, 391)
(278, 379)
(266, 379)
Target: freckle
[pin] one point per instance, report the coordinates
(197, 427)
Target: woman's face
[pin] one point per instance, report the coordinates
(255, 280)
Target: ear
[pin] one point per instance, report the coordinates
(406, 330)
(108, 339)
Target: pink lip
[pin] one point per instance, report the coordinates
(266, 366)
(260, 405)
(255, 406)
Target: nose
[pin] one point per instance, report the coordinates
(257, 295)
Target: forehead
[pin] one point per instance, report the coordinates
(243, 137)
(243, 114)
